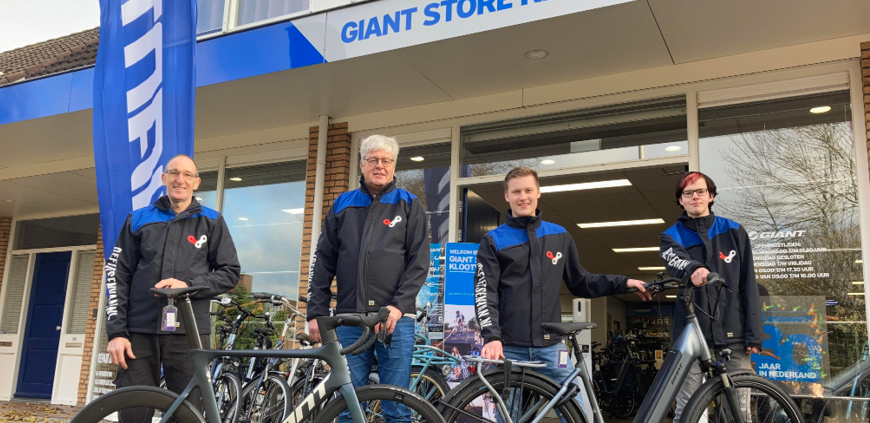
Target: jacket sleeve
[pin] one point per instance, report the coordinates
(753, 330)
(678, 263)
(223, 261)
(589, 285)
(416, 261)
(119, 276)
(322, 268)
(486, 290)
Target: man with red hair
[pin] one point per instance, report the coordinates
(698, 244)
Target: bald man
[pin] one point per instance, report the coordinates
(174, 243)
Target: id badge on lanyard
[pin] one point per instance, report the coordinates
(170, 316)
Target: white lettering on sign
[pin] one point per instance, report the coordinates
(147, 173)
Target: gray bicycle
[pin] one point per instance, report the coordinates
(522, 395)
(139, 403)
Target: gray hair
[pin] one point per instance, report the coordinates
(379, 142)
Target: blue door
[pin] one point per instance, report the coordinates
(42, 333)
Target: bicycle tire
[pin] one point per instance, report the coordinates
(137, 397)
(461, 397)
(421, 411)
(228, 389)
(278, 395)
(624, 405)
(768, 402)
(432, 386)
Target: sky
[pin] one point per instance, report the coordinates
(26, 22)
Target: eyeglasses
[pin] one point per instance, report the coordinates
(173, 174)
(373, 161)
(691, 193)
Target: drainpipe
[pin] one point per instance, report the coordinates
(319, 176)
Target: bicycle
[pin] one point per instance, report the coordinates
(177, 408)
(532, 396)
(628, 384)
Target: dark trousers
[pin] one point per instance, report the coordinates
(173, 352)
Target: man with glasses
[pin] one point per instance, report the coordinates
(174, 243)
(701, 243)
(375, 243)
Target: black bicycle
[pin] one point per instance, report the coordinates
(139, 403)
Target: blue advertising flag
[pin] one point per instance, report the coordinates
(143, 102)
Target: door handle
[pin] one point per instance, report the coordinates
(57, 328)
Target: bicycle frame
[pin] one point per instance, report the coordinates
(337, 380)
(689, 347)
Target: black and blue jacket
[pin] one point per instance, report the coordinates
(520, 268)
(721, 246)
(376, 245)
(194, 246)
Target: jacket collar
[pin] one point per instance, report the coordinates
(365, 189)
(163, 204)
(523, 222)
(705, 222)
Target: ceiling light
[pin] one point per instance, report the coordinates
(670, 296)
(673, 148)
(635, 250)
(536, 54)
(235, 179)
(293, 211)
(859, 261)
(10, 201)
(243, 218)
(858, 283)
(621, 223)
(548, 162)
(820, 109)
(198, 198)
(417, 159)
(855, 293)
(587, 185)
(652, 268)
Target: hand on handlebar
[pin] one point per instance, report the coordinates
(699, 276)
(641, 289)
(395, 315)
(313, 330)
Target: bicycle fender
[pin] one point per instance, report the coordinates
(497, 370)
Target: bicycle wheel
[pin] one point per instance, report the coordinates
(228, 386)
(371, 398)
(270, 404)
(138, 403)
(765, 402)
(624, 405)
(531, 392)
(431, 384)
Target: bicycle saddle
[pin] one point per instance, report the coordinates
(175, 292)
(264, 331)
(565, 329)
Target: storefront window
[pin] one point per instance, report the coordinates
(209, 16)
(785, 170)
(258, 10)
(207, 192)
(57, 232)
(264, 209)
(425, 172)
(617, 133)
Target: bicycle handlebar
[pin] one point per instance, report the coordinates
(713, 280)
(368, 323)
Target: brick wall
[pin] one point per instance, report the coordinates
(335, 183)
(5, 232)
(91, 341)
(865, 77)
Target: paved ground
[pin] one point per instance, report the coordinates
(22, 411)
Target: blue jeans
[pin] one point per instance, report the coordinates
(549, 356)
(394, 365)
